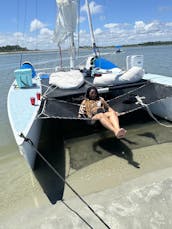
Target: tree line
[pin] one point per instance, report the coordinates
(12, 48)
(17, 48)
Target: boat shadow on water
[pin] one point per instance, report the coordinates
(52, 149)
(92, 148)
(116, 147)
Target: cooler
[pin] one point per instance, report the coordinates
(23, 77)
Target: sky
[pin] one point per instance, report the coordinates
(31, 23)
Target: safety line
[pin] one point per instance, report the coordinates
(58, 174)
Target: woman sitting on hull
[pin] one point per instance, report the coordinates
(96, 108)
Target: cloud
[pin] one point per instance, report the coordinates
(98, 31)
(108, 34)
(141, 27)
(82, 19)
(94, 8)
(165, 9)
(46, 32)
(169, 24)
(111, 25)
(18, 35)
(36, 25)
(125, 33)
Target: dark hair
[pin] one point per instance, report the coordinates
(88, 92)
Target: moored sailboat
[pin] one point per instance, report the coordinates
(43, 125)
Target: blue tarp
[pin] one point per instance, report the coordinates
(27, 65)
(44, 76)
(118, 46)
(103, 63)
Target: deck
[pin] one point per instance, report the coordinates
(21, 112)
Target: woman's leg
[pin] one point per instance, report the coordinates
(104, 121)
(113, 119)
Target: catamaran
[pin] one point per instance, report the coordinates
(43, 107)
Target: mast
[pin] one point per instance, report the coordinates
(91, 28)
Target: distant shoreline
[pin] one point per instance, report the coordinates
(158, 43)
(28, 51)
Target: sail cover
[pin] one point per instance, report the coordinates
(66, 20)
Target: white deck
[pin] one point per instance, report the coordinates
(21, 112)
(165, 80)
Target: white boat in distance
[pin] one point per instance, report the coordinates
(43, 107)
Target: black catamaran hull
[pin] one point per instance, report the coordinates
(54, 129)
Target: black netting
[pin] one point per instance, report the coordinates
(122, 100)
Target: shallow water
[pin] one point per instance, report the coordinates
(22, 201)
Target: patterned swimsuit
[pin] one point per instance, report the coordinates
(89, 108)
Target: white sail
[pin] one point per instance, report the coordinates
(66, 20)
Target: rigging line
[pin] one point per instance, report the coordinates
(140, 102)
(18, 16)
(89, 83)
(156, 120)
(25, 17)
(49, 90)
(141, 106)
(62, 118)
(61, 58)
(78, 27)
(77, 214)
(43, 109)
(46, 116)
(36, 13)
(24, 27)
(63, 101)
(29, 141)
(129, 92)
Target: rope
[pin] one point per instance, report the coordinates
(49, 90)
(129, 92)
(18, 19)
(140, 101)
(29, 141)
(78, 28)
(60, 53)
(24, 27)
(77, 214)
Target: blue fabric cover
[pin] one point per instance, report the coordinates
(103, 63)
(29, 66)
(44, 76)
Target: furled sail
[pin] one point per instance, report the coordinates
(66, 20)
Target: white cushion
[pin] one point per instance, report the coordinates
(105, 79)
(132, 75)
(102, 71)
(67, 80)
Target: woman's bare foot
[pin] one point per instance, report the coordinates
(121, 133)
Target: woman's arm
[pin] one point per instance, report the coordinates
(82, 110)
(112, 110)
(108, 108)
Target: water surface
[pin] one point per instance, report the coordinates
(20, 194)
